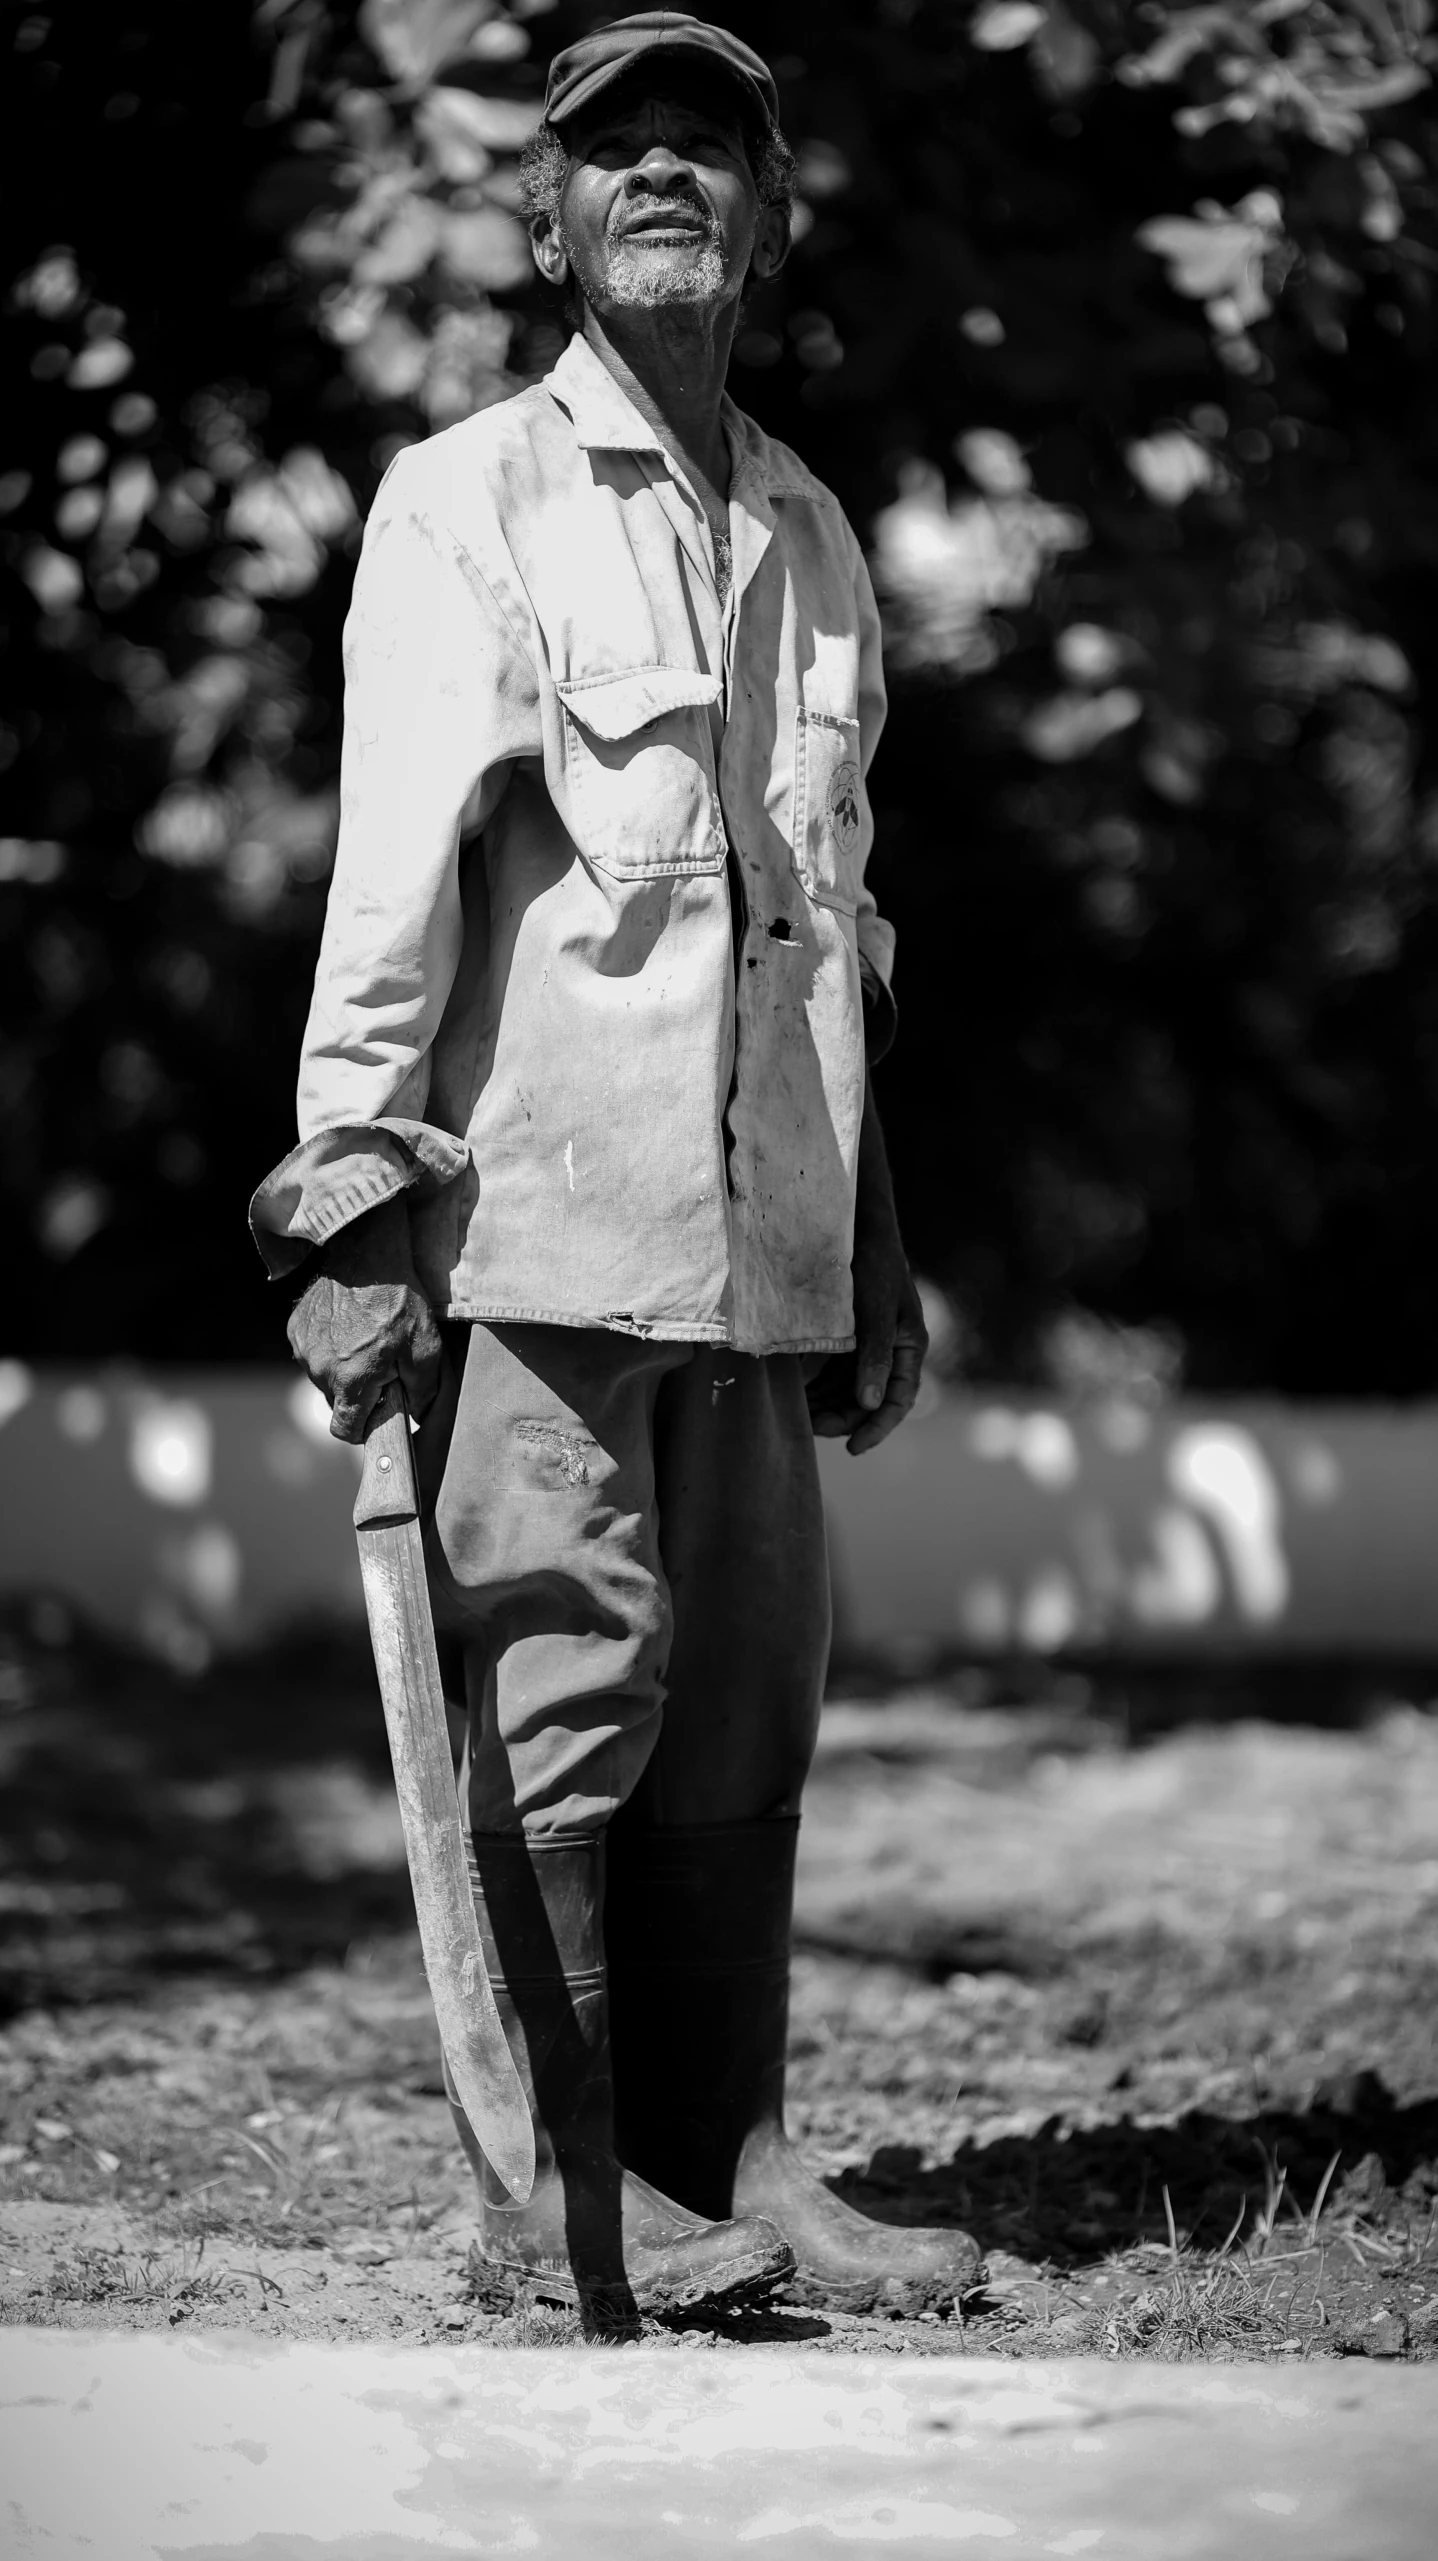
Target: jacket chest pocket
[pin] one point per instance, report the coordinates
(640, 765)
(828, 809)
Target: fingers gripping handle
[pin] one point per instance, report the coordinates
(387, 1490)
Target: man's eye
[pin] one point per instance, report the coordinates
(615, 142)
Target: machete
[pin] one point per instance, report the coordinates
(402, 1633)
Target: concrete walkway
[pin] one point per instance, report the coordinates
(125, 2447)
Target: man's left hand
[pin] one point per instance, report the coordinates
(861, 1396)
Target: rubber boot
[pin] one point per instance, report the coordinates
(590, 2234)
(697, 1925)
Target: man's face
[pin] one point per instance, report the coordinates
(659, 206)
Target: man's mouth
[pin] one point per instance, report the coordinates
(667, 222)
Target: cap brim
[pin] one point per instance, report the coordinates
(652, 61)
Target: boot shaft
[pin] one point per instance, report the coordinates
(538, 1905)
(700, 1898)
(697, 1926)
(596, 2234)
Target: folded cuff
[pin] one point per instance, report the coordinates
(330, 1180)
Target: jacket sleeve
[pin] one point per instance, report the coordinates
(875, 933)
(440, 697)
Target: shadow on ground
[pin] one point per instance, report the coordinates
(155, 1825)
(1075, 2197)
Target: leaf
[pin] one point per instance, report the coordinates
(486, 248)
(319, 496)
(1174, 51)
(466, 364)
(499, 124)
(1066, 57)
(994, 461)
(1386, 89)
(414, 38)
(404, 248)
(1170, 466)
(1206, 259)
(388, 362)
(1004, 25)
(447, 124)
(55, 580)
(1072, 725)
(463, 129)
(1090, 655)
(104, 361)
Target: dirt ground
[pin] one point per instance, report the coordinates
(1145, 1995)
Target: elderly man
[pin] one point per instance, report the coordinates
(590, 1162)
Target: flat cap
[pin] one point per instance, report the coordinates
(583, 71)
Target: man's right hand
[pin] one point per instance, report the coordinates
(365, 1320)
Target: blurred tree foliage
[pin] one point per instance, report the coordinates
(1111, 324)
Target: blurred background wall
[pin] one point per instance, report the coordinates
(1113, 328)
(203, 1513)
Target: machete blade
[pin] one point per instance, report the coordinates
(401, 1629)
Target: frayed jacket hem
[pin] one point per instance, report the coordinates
(464, 1311)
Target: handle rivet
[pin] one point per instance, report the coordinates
(384, 1462)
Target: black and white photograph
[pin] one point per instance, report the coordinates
(719, 1324)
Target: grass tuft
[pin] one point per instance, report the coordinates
(179, 2282)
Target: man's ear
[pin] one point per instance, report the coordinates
(772, 242)
(548, 250)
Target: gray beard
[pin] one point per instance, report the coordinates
(648, 279)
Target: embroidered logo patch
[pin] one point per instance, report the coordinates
(841, 805)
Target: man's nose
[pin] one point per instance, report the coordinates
(659, 173)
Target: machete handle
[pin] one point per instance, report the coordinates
(387, 1490)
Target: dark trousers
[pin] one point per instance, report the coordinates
(628, 1541)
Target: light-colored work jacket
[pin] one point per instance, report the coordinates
(598, 947)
